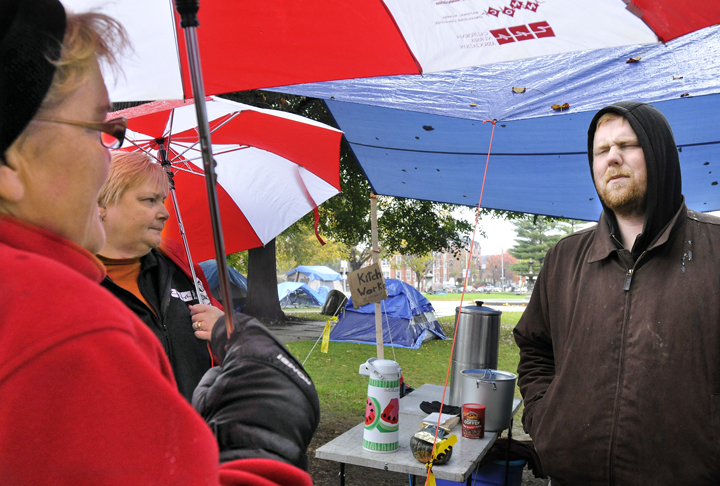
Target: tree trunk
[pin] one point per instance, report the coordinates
(356, 258)
(262, 297)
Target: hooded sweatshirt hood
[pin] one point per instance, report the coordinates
(664, 185)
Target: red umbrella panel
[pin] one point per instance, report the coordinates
(272, 168)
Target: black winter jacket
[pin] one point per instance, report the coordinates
(260, 402)
(166, 287)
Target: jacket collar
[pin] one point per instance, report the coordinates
(149, 260)
(24, 236)
(603, 244)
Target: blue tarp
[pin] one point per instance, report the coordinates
(586, 80)
(297, 294)
(316, 272)
(407, 317)
(423, 137)
(210, 270)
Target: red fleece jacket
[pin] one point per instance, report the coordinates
(86, 392)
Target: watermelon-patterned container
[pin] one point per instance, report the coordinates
(382, 407)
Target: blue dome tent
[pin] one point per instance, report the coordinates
(316, 276)
(296, 294)
(238, 283)
(408, 319)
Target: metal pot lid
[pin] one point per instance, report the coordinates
(478, 308)
(491, 375)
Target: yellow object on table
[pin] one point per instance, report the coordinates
(441, 448)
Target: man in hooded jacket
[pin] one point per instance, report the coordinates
(620, 343)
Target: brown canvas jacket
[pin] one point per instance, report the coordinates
(620, 363)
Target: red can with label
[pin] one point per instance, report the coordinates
(473, 421)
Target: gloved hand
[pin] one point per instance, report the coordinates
(260, 403)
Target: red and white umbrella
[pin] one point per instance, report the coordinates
(272, 168)
(249, 44)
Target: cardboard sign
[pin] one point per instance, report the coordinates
(367, 285)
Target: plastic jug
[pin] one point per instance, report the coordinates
(382, 408)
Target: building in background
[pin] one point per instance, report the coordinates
(438, 270)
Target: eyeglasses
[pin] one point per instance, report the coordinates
(112, 132)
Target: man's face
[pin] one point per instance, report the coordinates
(62, 167)
(619, 168)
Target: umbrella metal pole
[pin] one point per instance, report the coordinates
(166, 165)
(189, 22)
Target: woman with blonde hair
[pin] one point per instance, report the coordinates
(150, 274)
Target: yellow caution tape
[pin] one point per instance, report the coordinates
(326, 335)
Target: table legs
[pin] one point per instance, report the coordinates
(342, 474)
(507, 452)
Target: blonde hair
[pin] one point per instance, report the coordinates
(88, 36)
(127, 171)
(608, 117)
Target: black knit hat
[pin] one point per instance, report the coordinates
(31, 34)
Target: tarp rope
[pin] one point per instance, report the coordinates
(462, 297)
(383, 313)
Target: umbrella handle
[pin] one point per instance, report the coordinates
(188, 12)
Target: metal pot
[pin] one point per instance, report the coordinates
(476, 344)
(494, 389)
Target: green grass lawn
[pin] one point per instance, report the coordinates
(342, 389)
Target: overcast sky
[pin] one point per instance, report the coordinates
(500, 234)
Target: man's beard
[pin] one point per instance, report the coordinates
(626, 198)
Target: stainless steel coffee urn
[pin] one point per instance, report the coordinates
(476, 346)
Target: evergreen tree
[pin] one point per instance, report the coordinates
(534, 238)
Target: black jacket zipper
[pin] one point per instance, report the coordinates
(626, 288)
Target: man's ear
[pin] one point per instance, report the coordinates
(12, 190)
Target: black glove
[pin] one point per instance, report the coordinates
(260, 403)
(430, 407)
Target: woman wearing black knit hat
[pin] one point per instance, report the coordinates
(86, 392)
